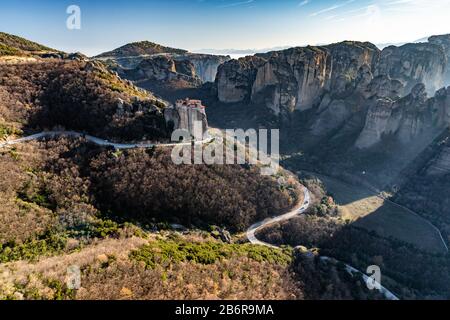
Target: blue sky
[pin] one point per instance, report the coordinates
(220, 24)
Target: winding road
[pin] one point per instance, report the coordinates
(97, 141)
(251, 233)
(299, 209)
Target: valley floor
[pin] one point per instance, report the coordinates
(370, 211)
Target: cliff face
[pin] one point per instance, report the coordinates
(336, 108)
(444, 42)
(296, 78)
(347, 60)
(415, 63)
(413, 118)
(235, 78)
(205, 65)
(131, 56)
(292, 79)
(386, 91)
(162, 69)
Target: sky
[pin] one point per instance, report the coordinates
(223, 24)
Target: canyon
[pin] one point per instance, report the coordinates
(348, 111)
(147, 61)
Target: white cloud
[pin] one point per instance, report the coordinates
(303, 3)
(236, 4)
(333, 7)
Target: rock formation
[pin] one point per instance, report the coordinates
(352, 85)
(162, 69)
(444, 41)
(350, 60)
(296, 78)
(292, 80)
(235, 78)
(188, 115)
(205, 65)
(130, 56)
(414, 63)
(413, 118)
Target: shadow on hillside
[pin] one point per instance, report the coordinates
(369, 211)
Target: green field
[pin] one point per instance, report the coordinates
(373, 213)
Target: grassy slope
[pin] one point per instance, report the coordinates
(14, 45)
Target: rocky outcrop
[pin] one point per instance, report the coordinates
(205, 65)
(334, 115)
(444, 42)
(356, 96)
(351, 60)
(292, 79)
(131, 56)
(296, 78)
(414, 63)
(187, 115)
(162, 69)
(376, 123)
(383, 87)
(185, 67)
(413, 118)
(235, 79)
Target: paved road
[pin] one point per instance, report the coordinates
(299, 209)
(251, 236)
(252, 230)
(98, 141)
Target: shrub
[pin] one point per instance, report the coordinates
(48, 243)
(163, 252)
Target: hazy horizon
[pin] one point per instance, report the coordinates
(199, 25)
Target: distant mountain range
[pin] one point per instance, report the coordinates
(240, 52)
(245, 52)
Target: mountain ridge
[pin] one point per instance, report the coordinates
(139, 48)
(15, 45)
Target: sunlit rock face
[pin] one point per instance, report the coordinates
(414, 119)
(415, 63)
(351, 89)
(235, 79)
(205, 65)
(296, 78)
(292, 79)
(350, 60)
